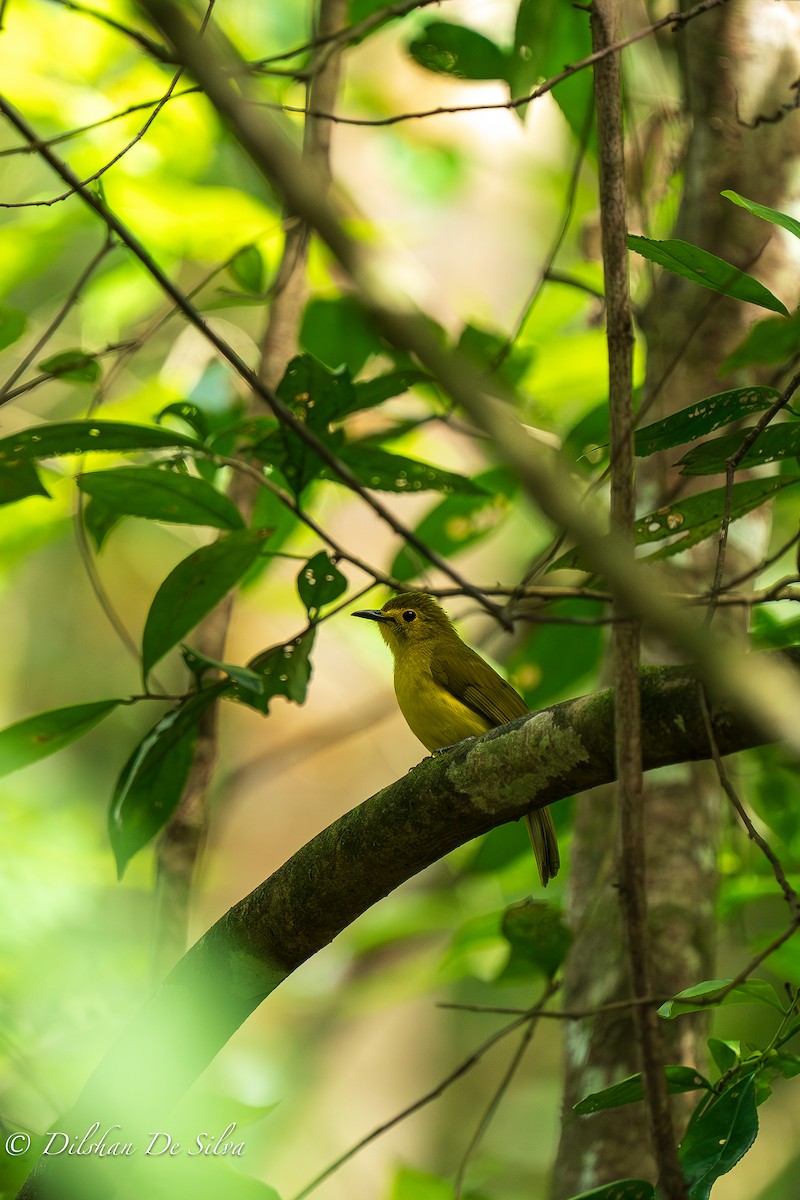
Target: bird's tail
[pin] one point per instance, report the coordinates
(545, 846)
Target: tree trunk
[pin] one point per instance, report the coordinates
(737, 63)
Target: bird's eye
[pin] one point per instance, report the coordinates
(409, 615)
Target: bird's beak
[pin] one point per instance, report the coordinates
(371, 614)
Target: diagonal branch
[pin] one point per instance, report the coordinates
(761, 691)
(442, 803)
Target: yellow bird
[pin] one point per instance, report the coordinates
(447, 692)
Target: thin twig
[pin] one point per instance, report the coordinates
(563, 1014)
(58, 319)
(626, 637)
(789, 893)
(129, 145)
(731, 465)
(499, 1092)
(462, 1069)
(281, 410)
(350, 34)
(675, 21)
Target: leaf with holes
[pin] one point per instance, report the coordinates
(628, 1091)
(776, 442)
(314, 393)
(373, 392)
(82, 437)
(193, 588)
(151, 783)
(706, 269)
(701, 418)
(319, 583)
(385, 472)
(35, 738)
(284, 671)
(699, 517)
(695, 518)
(717, 1139)
(162, 496)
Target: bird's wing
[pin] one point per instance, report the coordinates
(465, 675)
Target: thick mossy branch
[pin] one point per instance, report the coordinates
(442, 803)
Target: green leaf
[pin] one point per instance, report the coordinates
(772, 340)
(489, 349)
(72, 364)
(538, 934)
(285, 671)
(459, 521)
(548, 34)
(193, 588)
(199, 663)
(80, 437)
(716, 1141)
(99, 519)
(699, 266)
(194, 417)
(750, 991)
(339, 333)
(314, 393)
(787, 1064)
(151, 783)
(694, 518)
(319, 583)
(247, 268)
(372, 392)
(767, 214)
(621, 1189)
(776, 442)
(19, 480)
(628, 1091)
(587, 442)
(701, 418)
(12, 326)
(450, 49)
(698, 517)
(162, 495)
(385, 472)
(726, 1054)
(36, 737)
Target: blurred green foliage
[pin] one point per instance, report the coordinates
(108, 395)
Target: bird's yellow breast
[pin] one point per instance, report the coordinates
(433, 714)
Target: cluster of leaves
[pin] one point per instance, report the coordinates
(183, 486)
(182, 481)
(724, 1123)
